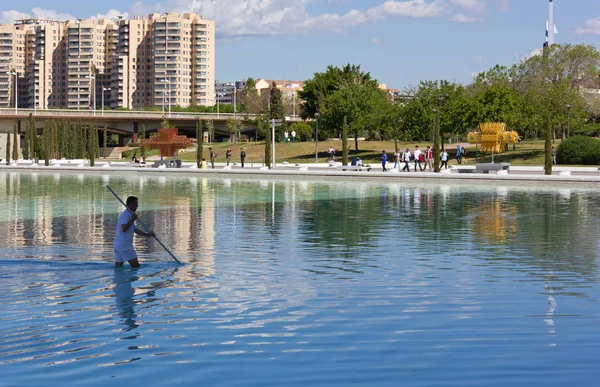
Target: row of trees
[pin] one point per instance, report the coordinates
(520, 95)
(58, 139)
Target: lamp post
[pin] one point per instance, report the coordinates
(169, 94)
(16, 87)
(569, 120)
(93, 78)
(104, 89)
(317, 138)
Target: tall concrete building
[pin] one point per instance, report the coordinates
(159, 60)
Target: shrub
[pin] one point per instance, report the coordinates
(579, 150)
(303, 130)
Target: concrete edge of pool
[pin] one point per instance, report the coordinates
(518, 173)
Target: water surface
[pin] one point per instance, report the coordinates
(289, 282)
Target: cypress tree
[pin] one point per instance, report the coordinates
(91, 145)
(105, 139)
(8, 149)
(268, 148)
(143, 137)
(32, 132)
(345, 142)
(26, 144)
(15, 153)
(45, 144)
(200, 146)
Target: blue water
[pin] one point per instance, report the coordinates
(296, 283)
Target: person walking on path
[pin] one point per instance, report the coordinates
(406, 158)
(212, 156)
(553, 155)
(397, 160)
(293, 136)
(123, 245)
(228, 156)
(444, 157)
(242, 156)
(459, 154)
(383, 160)
(285, 136)
(418, 158)
(429, 159)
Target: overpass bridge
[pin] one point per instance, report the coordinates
(128, 124)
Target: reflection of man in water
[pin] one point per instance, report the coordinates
(124, 296)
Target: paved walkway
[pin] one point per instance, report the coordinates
(516, 173)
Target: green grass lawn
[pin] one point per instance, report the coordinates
(526, 153)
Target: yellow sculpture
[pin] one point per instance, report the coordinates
(493, 137)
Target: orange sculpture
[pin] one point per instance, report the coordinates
(167, 141)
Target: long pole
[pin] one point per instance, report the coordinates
(34, 98)
(143, 225)
(102, 102)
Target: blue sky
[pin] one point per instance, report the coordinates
(399, 42)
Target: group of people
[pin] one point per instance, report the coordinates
(422, 159)
(286, 136)
(213, 156)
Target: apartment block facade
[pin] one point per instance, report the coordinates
(152, 61)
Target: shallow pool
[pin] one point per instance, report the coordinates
(292, 283)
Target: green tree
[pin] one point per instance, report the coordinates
(251, 101)
(105, 140)
(15, 153)
(268, 149)
(199, 143)
(8, 149)
(210, 126)
(303, 130)
(322, 85)
(345, 142)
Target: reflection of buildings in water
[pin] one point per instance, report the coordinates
(105, 179)
(56, 178)
(552, 304)
(493, 219)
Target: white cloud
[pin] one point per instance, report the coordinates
(376, 41)
(9, 17)
(461, 18)
(590, 27)
(536, 52)
(238, 18)
(504, 5)
(470, 5)
(281, 17)
(111, 14)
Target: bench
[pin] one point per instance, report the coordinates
(167, 163)
(487, 167)
(354, 167)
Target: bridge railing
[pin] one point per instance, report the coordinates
(120, 113)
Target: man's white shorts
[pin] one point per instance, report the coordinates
(125, 255)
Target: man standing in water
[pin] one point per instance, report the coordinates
(124, 250)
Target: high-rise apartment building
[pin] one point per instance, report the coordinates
(159, 60)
